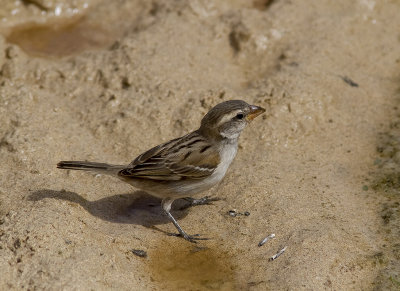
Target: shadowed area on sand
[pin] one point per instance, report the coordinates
(136, 208)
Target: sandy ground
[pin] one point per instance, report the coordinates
(106, 80)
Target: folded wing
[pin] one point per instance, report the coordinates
(189, 157)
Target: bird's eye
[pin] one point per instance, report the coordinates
(239, 116)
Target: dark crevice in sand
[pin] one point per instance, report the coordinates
(386, 184)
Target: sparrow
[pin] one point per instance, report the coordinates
(187, 165)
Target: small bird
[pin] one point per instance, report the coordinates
(186, 165)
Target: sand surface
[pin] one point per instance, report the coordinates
(105, 80)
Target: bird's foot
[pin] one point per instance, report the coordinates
(191, 238)
(196, 202)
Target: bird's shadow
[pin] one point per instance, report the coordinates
(133, 208)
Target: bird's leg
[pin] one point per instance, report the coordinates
(202, 201)
(166, 205)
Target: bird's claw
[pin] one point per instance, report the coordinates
(202, 201)
(191, 238)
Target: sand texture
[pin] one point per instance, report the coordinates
(105, 80)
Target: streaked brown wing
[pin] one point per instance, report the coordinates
(189, 157)
(154, 152)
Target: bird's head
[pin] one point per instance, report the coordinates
(229, 118)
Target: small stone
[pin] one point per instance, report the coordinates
(140, 253)
(232, 213)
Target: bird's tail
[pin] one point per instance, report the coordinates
(90, 166)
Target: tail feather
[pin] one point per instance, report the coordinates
(90, 166)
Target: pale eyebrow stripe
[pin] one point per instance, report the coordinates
(229, 116)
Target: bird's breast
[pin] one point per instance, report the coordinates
(227, 154)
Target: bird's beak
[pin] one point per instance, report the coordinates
(254, 112)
